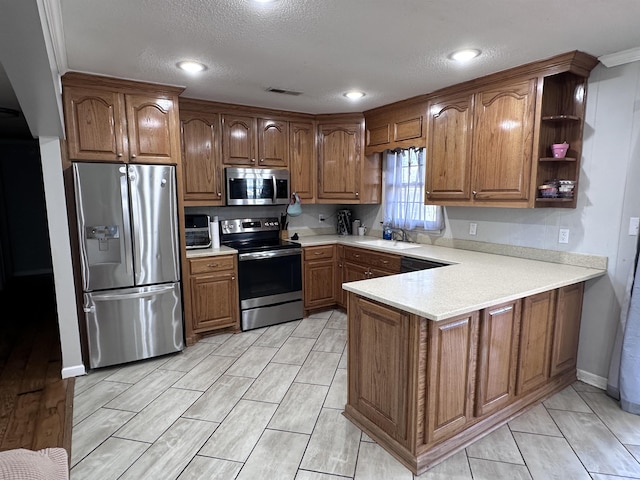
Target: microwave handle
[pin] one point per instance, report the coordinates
(275, 185)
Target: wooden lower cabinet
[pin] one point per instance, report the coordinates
(564, 354)
(425, 389)
(497, 356)
(536, 332)
(318, 277)
(214, 293)
(378, 367)
(450, 386)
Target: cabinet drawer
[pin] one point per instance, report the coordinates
(212, 264)
(384, 261)
(324, 252)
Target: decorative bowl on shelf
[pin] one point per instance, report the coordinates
(548, 190)
(559, 150)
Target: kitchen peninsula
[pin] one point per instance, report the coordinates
(440, 357)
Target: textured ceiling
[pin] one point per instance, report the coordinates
(391, 49)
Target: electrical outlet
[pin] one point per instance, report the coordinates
(320, 217)
(634, 226)
(473, 228)
(563, 236)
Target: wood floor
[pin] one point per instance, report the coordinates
(35, 403)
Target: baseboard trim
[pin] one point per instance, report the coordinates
(591, 379)
(74, 371)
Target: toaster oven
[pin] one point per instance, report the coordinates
(197, 231)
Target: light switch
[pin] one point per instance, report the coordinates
(634, 225)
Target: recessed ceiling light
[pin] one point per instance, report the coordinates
(191, 66)
(354, 95)
(264, 1)
(464, 55)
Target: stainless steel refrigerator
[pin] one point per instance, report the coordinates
(128, 229)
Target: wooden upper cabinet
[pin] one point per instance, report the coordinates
(151, 123)
(239, 140)
(112, 120)
(302, 159)
(449, 133)
(399, 125)
(502, 147)
(273, 143)
(201, 163)
(95, 124)
(339, 162)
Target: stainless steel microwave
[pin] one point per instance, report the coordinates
(257, 186)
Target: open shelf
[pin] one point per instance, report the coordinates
(554, 199)
(555, 159)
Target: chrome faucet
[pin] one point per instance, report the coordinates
(399, 232)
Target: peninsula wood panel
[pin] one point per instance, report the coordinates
(378, 365)
(498, 354)
(201, 163)
(450, 376)
(536, 331)
(449, 136)
(566, 332)
(303, 159)
(502, 147)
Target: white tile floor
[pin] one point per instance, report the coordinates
(267, 404)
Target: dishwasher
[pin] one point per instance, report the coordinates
(409, 264)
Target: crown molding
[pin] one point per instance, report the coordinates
(620, 58)
(54, 32)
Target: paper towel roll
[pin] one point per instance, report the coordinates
(214, 231)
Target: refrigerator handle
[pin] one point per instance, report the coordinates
(126, 217)
(147, 292)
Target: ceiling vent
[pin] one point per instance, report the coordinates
(283, 92)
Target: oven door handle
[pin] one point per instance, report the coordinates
(276, 253)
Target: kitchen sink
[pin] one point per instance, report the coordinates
(395, 244)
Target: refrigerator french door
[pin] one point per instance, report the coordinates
(129, 255)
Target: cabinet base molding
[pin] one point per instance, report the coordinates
(423, 456)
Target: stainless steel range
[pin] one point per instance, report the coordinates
(269, 271)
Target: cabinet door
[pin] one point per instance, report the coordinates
(536, 331)
(503, 142)
(497, 357)
(214, 300)
(379, 365)
(201, 163)
(451, 376)
(566, 331)
(339, 162)
(319, 285)
(303, 159)
(449, 134)
(273, 143)
(354, 272)
(238, 140)
(152, 125)
(95, 125)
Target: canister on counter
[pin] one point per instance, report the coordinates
(354, 227)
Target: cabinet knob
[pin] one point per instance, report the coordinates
(385, 261)
(357, 194)
(253, 160)
(357, 255)
(219, 194)
(261, 160)
(133, 155)
(233, 277)
(428, 193)
(119, 155)
(474, 193)
(212, 265)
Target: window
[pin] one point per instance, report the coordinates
(404, 192)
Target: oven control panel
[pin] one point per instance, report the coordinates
(247, 225)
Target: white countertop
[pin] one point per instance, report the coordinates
(471, 280)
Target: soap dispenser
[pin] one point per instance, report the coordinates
(386, 231)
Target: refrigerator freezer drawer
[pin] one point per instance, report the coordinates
(134, 323)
